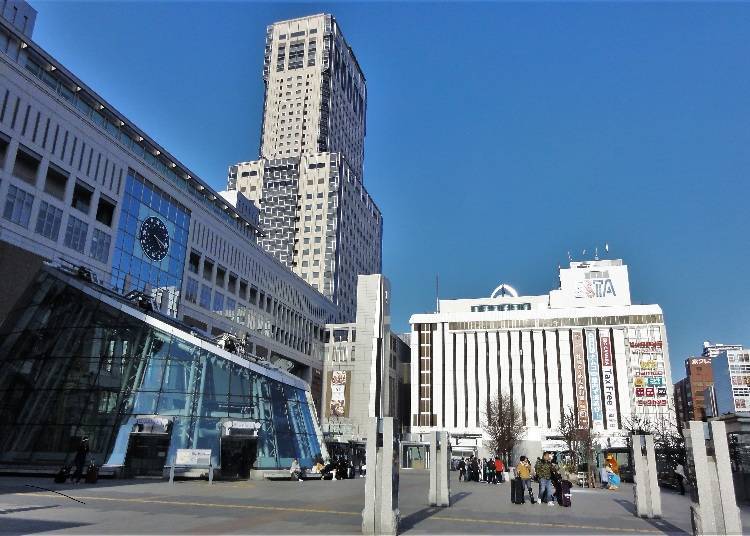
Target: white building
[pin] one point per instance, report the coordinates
(584, 345)
(81, 182)
(730, 392)
(316, 214)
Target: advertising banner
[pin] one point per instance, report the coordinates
(595, 387)
(338, 399)
(608, 375)
(579, 364)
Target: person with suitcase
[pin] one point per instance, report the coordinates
(524, 479)
(562, 489)
(544, 469)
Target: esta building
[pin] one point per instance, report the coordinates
(583, 346)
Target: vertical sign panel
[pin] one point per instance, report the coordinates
(579, 364)
(608, 374)
(595, 387)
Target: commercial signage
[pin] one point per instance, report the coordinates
(193, 457)
(608, 375)
(645, 347)
(594, 287)
(579, 363)
(595, 388)
(700, 361)
(246, 428)
(338, 381)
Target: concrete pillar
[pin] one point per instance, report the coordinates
(381, 514)
(729, 508)
(440, 492)
(646, 491)
(716, 510)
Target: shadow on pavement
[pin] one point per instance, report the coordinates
(20, 484)
(660, 524)
(414, 519)
(12, 525)
(25, 509)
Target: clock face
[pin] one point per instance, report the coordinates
(154, 238)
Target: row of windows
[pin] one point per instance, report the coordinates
(501, 307)
(556, 322)
(18, 205)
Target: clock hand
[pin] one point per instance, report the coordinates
(160, 241)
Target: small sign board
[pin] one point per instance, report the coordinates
(193, 457)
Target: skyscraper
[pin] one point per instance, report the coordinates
(316, 214)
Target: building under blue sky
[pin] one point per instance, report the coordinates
(500, 136)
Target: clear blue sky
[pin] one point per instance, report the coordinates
(499, 137)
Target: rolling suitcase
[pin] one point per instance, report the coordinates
(562, 490)
(92, 475)
(516, 491)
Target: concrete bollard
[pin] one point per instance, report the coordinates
(716, 511)
(381, 514)
(440, 492)
(646, 492)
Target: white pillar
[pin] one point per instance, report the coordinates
(439, 494)
(381, 514)
(646, 491)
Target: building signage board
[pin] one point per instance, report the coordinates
(608, 375)
(595, 388)
(193, 457)
(338, 389)
(649, 381)
(579, 363)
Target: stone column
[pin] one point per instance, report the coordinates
(646, 491)
(703, 515)
(381, 514)
(729, 508)
(440, 493)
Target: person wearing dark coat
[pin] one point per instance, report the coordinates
(80, 460)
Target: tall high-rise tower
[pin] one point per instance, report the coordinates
(316, 94)
(317, 216)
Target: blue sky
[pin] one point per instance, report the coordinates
(500, 136)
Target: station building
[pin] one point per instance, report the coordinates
(79, 360)
(82, 183)
(583, 346)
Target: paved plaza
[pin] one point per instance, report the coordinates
(312, 507)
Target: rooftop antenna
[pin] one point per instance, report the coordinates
(437, 292)
(596, 253)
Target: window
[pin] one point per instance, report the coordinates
(194, 263)
(243, 289)
(191, 290)
(221, 274)
(81, 198)
(105, 211)
(18, 206)
(232, 286)
(205, 297)
(75, 234)
(208, 269)
(231, 306)
(55, 182)
(3, 150)
(100, 242)
(26, 165)
(218, 303)
(48, 221)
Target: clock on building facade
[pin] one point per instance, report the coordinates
(154, 238)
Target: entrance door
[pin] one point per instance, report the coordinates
(147, 454)
(238, 456)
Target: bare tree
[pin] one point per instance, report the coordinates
(503, 423)
(581, 442)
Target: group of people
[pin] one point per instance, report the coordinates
(475, 469)
(336, 468)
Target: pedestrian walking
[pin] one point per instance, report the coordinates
(462, 469)
(499, 469)
(80, 460)
(679, 471)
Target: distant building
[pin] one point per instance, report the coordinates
(713, 349)
(316, 214)
(365, 368)
(583, 346)
(731, 388)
